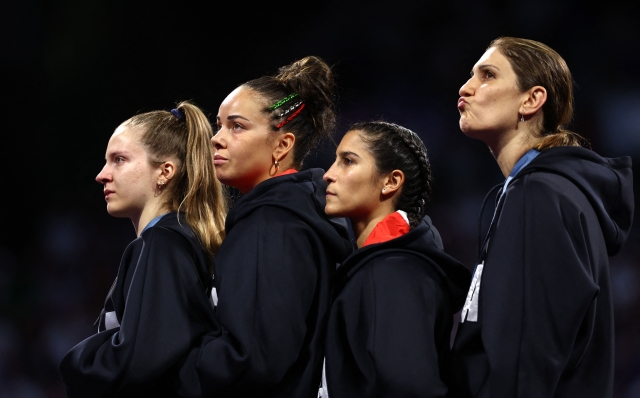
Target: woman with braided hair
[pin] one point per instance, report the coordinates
(280, 251)
(393, 298)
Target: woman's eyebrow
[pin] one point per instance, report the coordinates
(344, 154)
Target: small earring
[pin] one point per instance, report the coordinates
(275, 164)
(384, 190)
(522, 118)
(161, 185)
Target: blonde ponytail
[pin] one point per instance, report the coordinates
(185, 134)
(204, 202)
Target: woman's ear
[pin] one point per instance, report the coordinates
(392, 182)
(535, 99)
(167, 170)
(284, 145)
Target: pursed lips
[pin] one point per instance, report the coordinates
(461, 103)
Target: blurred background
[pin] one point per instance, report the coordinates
(73, 70)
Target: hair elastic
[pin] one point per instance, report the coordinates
(283, 101)
(179, 114)
(290, 118)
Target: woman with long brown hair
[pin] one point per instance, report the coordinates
(159, 174)
(538, 318)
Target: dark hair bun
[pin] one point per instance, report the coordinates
(312, 79)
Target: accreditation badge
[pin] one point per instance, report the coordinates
(470, 308)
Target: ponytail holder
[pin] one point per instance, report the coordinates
(177, 113)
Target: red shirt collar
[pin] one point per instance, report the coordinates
(392, 226)
(288, 171)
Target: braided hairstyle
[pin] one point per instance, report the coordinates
(397, 148)
(308, 112)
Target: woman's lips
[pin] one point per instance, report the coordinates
(107, 192)
(461, 103)
(217, 159)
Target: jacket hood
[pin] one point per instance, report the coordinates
(304, 194)
(607, 184)
(423, 240)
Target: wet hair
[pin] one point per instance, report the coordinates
(313, 82)
(397, 148)
(185, 135)
(536, 64)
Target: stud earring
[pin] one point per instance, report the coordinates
(161, 185)
(276, 165)
(522, 118)
(384, 190)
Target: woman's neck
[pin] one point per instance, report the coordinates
(148, 213)
(362, 227)
(510, 148)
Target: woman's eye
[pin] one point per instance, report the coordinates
(119, 159)
(237, 126)
(489, 75)
(347, 161)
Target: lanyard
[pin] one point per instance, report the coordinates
(521, 164)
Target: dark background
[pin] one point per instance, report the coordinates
(73, 70)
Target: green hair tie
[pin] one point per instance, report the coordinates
(283, 101)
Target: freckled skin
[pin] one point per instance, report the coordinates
(128, 173)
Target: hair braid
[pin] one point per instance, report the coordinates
(416, 194)
(397, 148)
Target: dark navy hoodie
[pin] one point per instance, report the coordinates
(390, 322)
(272, 276)
(545, 314)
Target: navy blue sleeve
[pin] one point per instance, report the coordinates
(267, 271)
(165, 310)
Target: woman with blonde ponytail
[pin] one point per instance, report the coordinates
(538, 318)
(158, 173)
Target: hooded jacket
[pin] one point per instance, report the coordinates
(272, 276)
(545, 312)
(390, 321)
(156, 309)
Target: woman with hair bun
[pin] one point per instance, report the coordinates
(394, 298)
(158, 173)
(538, 318)
(273, 269)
